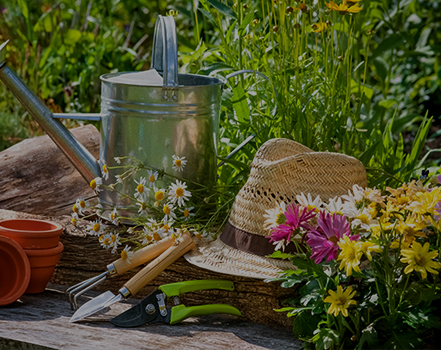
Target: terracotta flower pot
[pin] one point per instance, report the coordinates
(15, 271)
(32, 234)
(42, 263)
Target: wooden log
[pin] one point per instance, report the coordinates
(36, 177)
(83, 258)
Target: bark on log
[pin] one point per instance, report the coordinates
(83, 258)
(36, 177)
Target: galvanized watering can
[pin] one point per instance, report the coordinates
(149, 123)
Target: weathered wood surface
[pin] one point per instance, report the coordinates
(84, 258)
(41, 322)
(36, 177)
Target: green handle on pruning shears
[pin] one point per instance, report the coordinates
(174, 289)
(181, 312)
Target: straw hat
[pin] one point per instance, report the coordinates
(281, 169)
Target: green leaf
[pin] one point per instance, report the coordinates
(418, 144)
(305, 324)
(388, 44)
(387, 103)
(214, 68)
(240, 104)
(381, 67)
(247, 20)
(72, 37)
(226, 10)
(280, 255)
(325, 338)
(368, 335)
(24, 8)
(403, 341)
(422, 41)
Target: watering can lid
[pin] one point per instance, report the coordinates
(145, 78)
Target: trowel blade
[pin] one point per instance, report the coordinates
(96, 304)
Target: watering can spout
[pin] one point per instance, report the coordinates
(80, 157)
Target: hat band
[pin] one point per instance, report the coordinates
(249, 242)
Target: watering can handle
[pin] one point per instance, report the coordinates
(165, 51)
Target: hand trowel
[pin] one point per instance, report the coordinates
(147, 274)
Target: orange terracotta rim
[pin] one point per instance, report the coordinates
(24, 226)
(15, 271)
(45, 252)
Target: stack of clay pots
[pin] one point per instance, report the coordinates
(29, 251)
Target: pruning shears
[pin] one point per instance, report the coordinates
(153, 308)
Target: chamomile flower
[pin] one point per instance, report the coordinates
(363, 220)
(275, 217)
(75, 219)
(187, 213)
(80, 205)
(105, 172)
(114, 217)
(308, 203)
(119, 179)
(142, 207)
(105, 241)
(178, 163)
(127, 254)
(141, 189)
(178, 193)
(95, 228)
(96, 183)
(117, 160)
(153, 176)
(114, 239)
(159, 195)
(168, 210)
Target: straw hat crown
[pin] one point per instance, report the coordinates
(282, 169)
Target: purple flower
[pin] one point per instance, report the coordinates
(323, 240)
(295, 220)
(438, 210)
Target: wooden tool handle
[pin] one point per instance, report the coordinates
(143, 255)
(158, 265)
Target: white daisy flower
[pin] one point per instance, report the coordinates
(168, 210)
(204, 235)
(80, 205)
(96, 183)
(187, 213)
(159, 195)
(178, 163)
(335, 205)
(105, 172)
(114, 238)
(142, 207)
(280, 245)
(75, 218)
(178, 193)
(309, 203)
(355, 196)
(153, 176)
(275, 217)
(114, 217)
(105, 241)
(363, 220)
(95, 228)
(118, 160)
(130, 230)
(119, 179)
(127, 254)
(140, 189)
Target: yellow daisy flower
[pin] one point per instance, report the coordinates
(425, 202)
(367, 247)
(419, 259)
(319, 27)
(350, 255)
(340, 301)
(343, 8)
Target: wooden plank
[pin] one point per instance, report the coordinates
(41, 321)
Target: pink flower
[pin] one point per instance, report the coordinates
(295, 220)
(323, 240)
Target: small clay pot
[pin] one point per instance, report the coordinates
(42, 263)
(32, 234)
(15, 271)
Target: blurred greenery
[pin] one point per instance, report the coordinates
(366, 85)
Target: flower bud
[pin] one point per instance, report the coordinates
(275, 29)
(289, 9)
(340, 58)
(303, 7)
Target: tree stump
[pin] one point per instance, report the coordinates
(36, 177)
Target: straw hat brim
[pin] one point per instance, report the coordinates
(219, 257)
